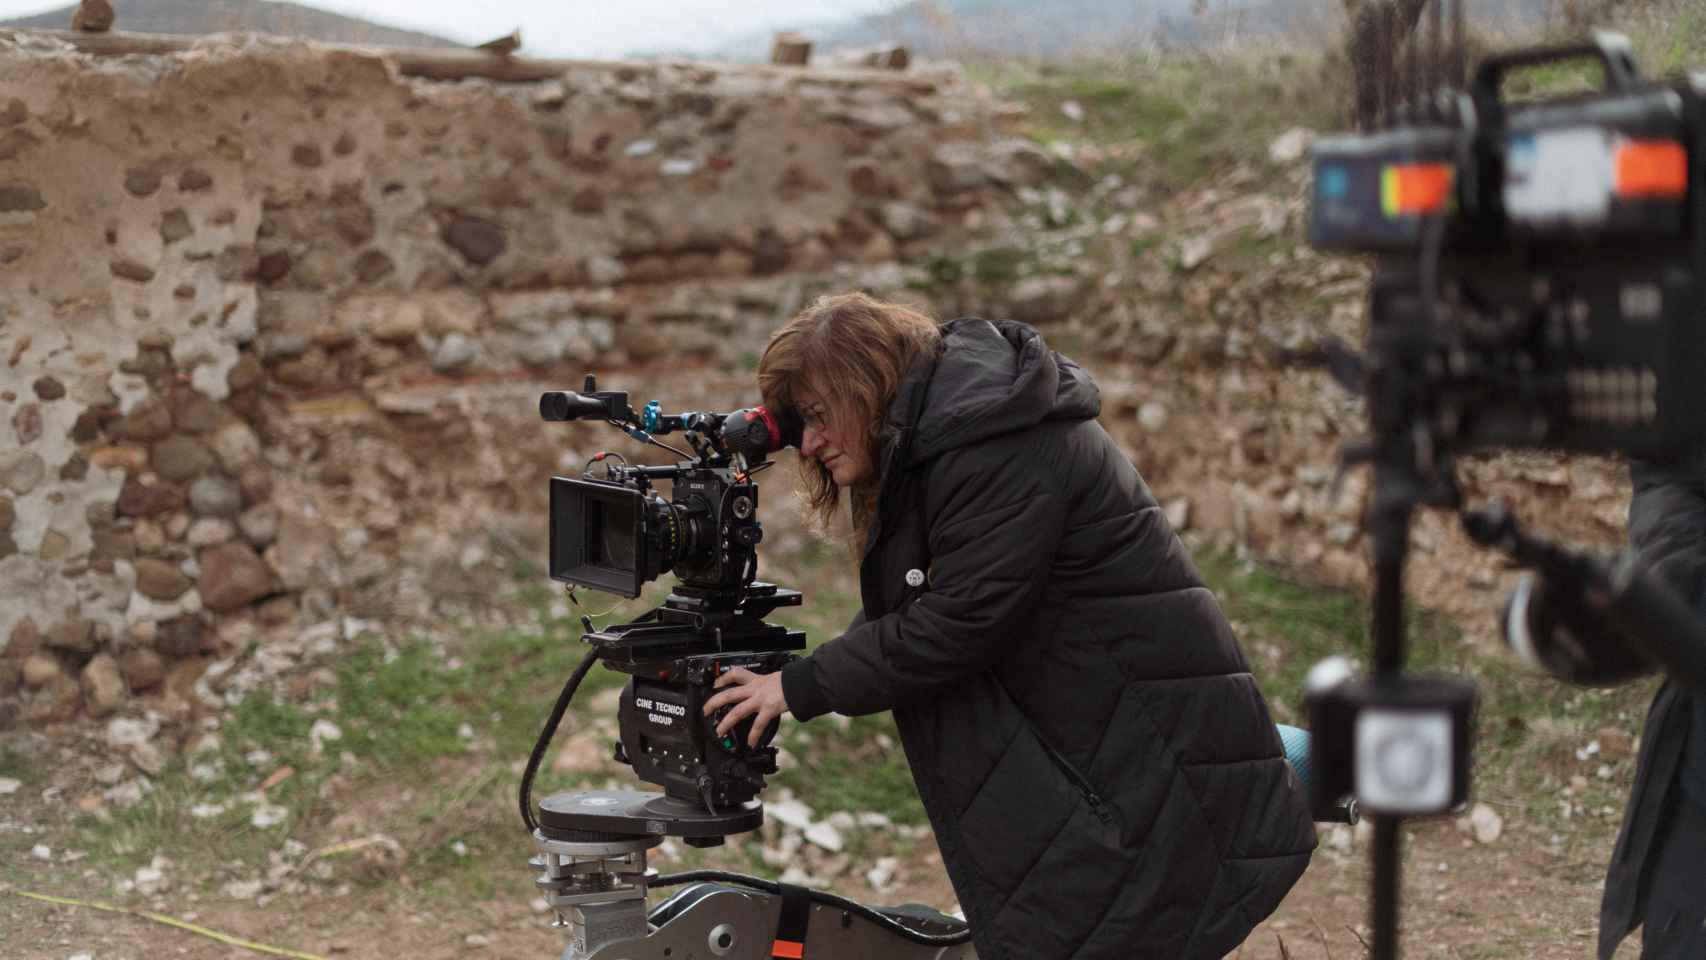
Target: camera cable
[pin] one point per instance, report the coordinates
(600, 457)
(827, 899)
(546, 734)
(645, 437)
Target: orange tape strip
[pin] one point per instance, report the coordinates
(1415, 188)
(788, 950)
(1652, 168)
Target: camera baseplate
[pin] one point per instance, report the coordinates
(694, 622)
(597, 816)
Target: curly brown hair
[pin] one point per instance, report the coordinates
(853, 350)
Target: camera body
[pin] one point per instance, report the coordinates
(670, 741)
(616, 533)
(1538, 284)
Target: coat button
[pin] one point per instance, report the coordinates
(915, 577)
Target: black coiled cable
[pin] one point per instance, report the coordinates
(545, 736)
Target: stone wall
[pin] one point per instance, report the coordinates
(273, 318)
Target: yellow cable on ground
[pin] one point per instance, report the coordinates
(168, 921)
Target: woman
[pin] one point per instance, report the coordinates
(1099, 768)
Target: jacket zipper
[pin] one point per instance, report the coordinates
(1098, 806)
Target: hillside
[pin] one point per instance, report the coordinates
(1057, 28)
(250, 16)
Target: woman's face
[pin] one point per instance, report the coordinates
(841, 450)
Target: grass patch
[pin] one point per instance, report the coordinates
(16, 764)
(1287, 627)
(406, 717)
(1559, 79)
(403, 707)
(1169, 121)
(1145, 245)
(858, 766)
(1249, 248)
(1529, 727)
(996, 266)
(405, 759)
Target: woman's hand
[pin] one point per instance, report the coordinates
(756, 695)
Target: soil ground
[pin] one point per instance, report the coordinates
(1527, 894)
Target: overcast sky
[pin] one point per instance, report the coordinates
(576, 28)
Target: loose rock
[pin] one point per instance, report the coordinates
(73, 634)
(159, 580)
(180, 457)
(213, 495)
(453, 353)
(22, 472)
(232, 576)
(40, 669)
(103, 686)
(478, 241)
(209, 531)
(141, 668)
(260, 524)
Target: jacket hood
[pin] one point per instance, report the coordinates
(988, 379)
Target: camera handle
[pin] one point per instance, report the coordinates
(1613, 51)
(1636, 604)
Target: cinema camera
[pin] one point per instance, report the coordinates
(615, 533)
(1537, 284)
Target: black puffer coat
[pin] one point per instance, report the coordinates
(1100, 770)
(1667, 525)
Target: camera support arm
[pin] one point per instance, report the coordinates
(1397, 741)
(1628, 599)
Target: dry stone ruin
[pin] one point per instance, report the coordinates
(274, 317)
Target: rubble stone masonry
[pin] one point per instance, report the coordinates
(273, 316)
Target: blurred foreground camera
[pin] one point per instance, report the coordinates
(1538, 283)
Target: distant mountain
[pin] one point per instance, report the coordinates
(1052, 28)
(249, 16)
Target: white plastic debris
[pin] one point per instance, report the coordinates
(1290, 146)
(322, 731)
(1486, 823)
(824, 835)
(881, 875)
(790, 813)
(127, 732)
(243, 889)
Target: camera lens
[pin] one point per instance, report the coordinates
(616, 539)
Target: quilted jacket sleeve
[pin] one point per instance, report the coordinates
(1667, 524)
(992, 541)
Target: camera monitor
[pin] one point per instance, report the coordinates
(596, 535)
